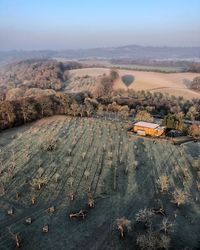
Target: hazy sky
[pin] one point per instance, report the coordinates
(64, 24)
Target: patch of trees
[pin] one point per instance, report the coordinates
(174, 121)
(18, 112)
(156, 103)
(195, 85)
(23, 92)
(143, 105)
(194, 67)
(105, 85)
(143, 115)
(44, 74)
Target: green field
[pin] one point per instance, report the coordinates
(83, 156)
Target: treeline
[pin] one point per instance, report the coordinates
(183, 66)
(36, 103)
(194, 67)
(14, 113)
(18, 112)
(154, 102)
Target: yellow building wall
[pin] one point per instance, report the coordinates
(148, 131)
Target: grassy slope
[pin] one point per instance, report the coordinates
(135, 190)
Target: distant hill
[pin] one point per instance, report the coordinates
(129, 51)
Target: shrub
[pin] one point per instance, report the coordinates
(194, 130)
(122, 224)
(144, 215)
(143, 115)
(179, 197)
(166, 225)
(39, 182)
(163, 183)
(152, 240)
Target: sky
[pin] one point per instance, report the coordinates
(74, 24)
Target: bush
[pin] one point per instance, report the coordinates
(163, 183)
(194, 130)
(143, 115)
(179, 197)
(152, 240)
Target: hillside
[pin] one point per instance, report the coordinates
(171, 83)
(70, 76)
(80, 160)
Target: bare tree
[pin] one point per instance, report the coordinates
(40, 171)
(12, 165)
(179, 197)
(81, 214)
(147, 241)
(144, 215)
(72, 195)
(71, 170)
(45, 228)
(2, 189)
(45, 105)
(33, 200)
(163, 183)
(90, 200)
(82, 110)
(75, 109)
(87, 174)
(194, 130)
(71, 181)
(100, 110)
(114, 74)
(83, 155)
(27, 110)
(124, 111)
(18, 195)
(166, 225)
(104, 87)
(39, 182)
(122, 224)
(56, 177)
(89, 106)
(143, 115)
(152, 240)
(164, 241)
(16, 237)
(7, 112)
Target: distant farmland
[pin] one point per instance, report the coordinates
(171, 83)
(86, 155)
(131, 66)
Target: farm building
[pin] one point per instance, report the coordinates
(148, 128)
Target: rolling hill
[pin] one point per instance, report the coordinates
(171, 83)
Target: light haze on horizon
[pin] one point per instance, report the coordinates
(73, 24)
